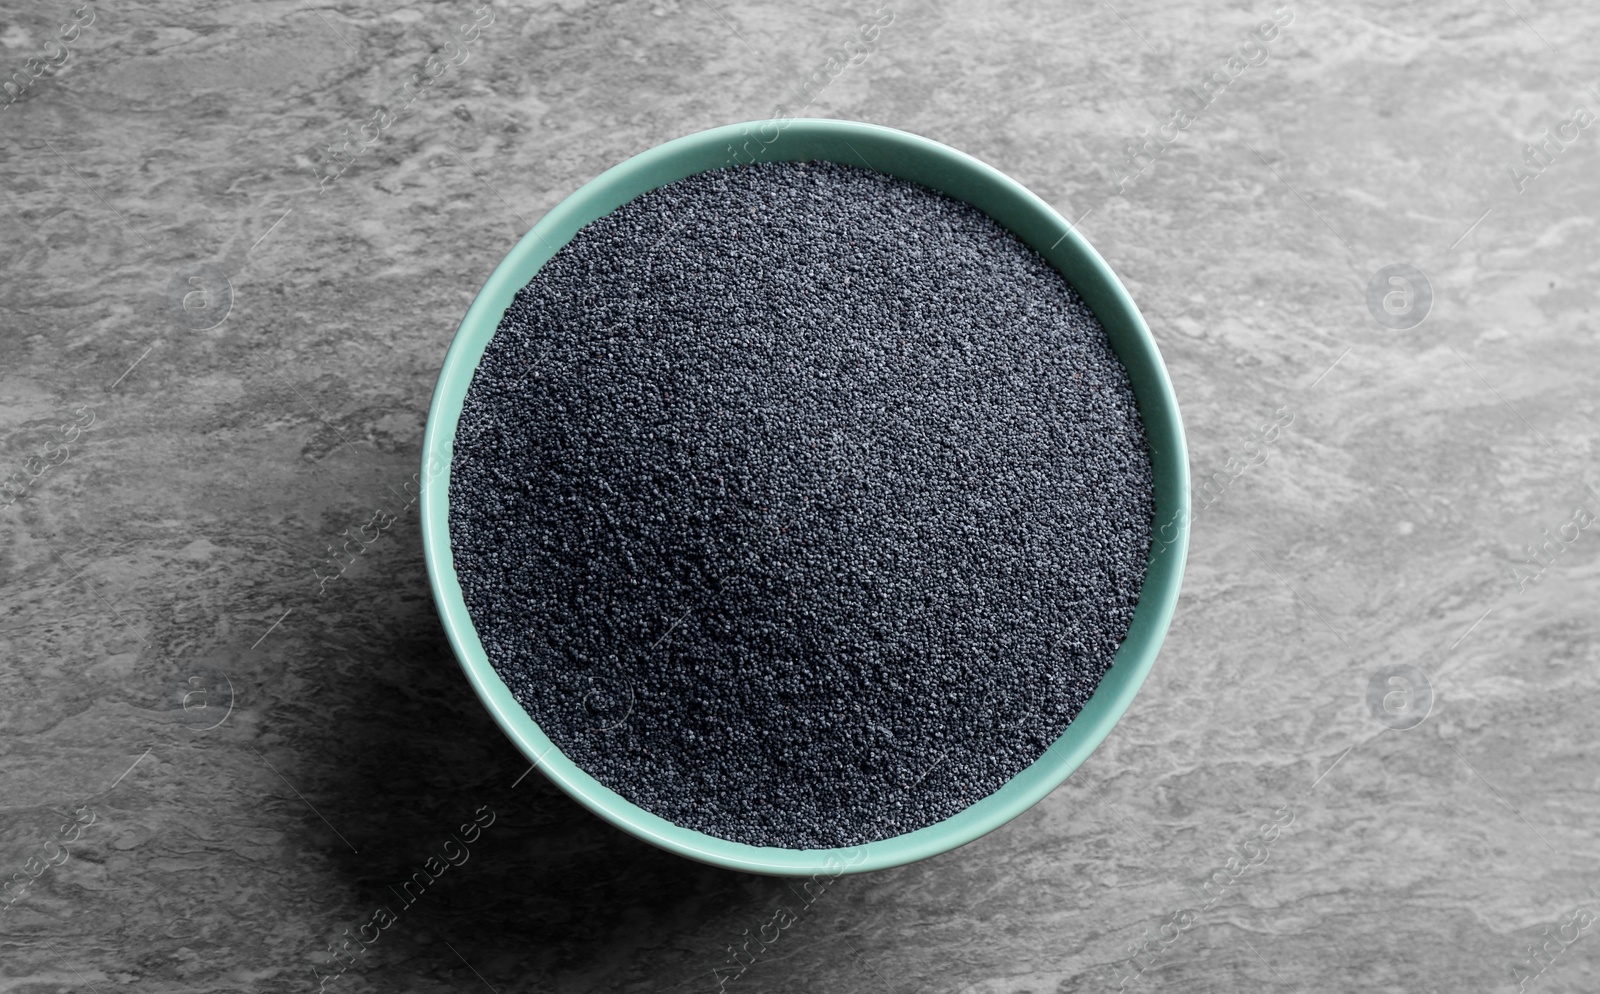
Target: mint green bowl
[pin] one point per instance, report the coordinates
(921, 160)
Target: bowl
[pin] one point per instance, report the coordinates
(942, 168)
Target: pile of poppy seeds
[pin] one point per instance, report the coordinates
(800, 505)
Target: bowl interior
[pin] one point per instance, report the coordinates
(941, 168)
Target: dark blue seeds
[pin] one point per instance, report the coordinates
(800, 505)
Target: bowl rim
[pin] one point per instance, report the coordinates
(1037, 224)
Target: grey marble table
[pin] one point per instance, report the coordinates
(217, 353)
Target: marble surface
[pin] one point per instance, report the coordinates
(216, 359)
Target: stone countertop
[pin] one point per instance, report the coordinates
(216, 358)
